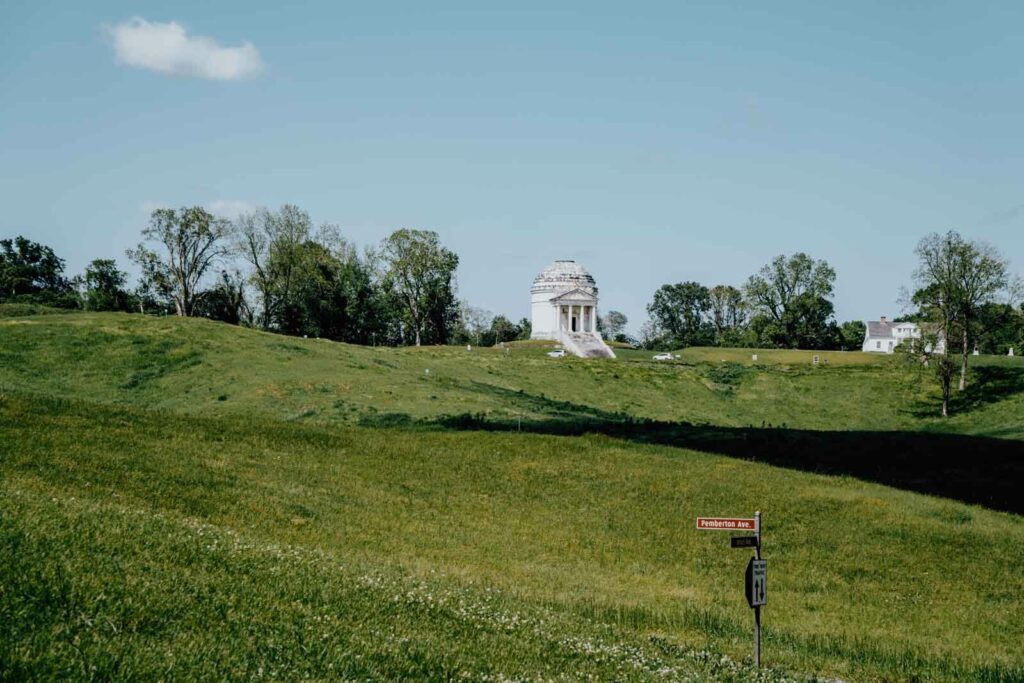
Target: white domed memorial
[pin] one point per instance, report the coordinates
(564, 309)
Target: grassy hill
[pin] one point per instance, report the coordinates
(198, 366)
(185, 499)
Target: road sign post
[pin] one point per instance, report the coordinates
(756, 576)
(764, 575)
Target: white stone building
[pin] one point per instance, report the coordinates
(564, 309)
(883, 336)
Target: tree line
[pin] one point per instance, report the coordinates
(277, 271)
(786, 304)
(963, 290)
(272, 270)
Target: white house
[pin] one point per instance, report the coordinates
(883, 336)
(563, 303)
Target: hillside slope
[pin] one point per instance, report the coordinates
(220, 546)
(211, 368)
(185, 499)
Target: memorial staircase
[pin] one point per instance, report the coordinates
(586, 345)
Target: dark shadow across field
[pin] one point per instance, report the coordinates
(977, 470)
(989, 384)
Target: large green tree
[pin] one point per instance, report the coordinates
(956, 277)
(999, 327)
(613, 324)
(187, 243)
(473, 322)
(791, 296)
(728, 314)
(30, 271)
(419, 273)
(940, 322)
(105, 287)
(271, 242)
(330, 294)
(525, 328)
(225, 301)
(679, 312)
(442, 310)
(851, 335)
(503, 329)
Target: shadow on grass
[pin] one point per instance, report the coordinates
(987, 385)
(978, 470)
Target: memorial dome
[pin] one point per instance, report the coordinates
(563, 276)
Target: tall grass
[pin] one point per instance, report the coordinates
(149, 544)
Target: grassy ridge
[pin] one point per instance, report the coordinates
(592, 533)
(203, 367)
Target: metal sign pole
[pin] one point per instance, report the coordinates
(757, 609)
(757, 636)
(756, 576)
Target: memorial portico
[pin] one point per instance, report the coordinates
(576, 317)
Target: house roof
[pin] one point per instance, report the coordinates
(876, 328)
(884, 329)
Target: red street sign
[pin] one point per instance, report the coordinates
(725, 524)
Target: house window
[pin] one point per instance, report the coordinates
(890, 346)
(878, 344)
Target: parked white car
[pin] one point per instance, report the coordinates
(663, 356)
(556, 354)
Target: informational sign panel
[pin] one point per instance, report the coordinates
(757, 582)
(726, 524)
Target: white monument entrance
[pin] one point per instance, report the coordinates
(564, 308)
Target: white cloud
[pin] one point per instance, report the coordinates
(229, 208)
(168, 49)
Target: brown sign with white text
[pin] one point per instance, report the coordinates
(725, 524)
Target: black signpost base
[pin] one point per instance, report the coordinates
(757, 636)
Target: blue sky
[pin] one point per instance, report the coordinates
(653, 142)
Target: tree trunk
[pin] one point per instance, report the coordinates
(417, 336)
(946, 382)
(963, 362)
(265, 316)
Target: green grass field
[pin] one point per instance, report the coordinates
(183, 499)
(197, 366)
